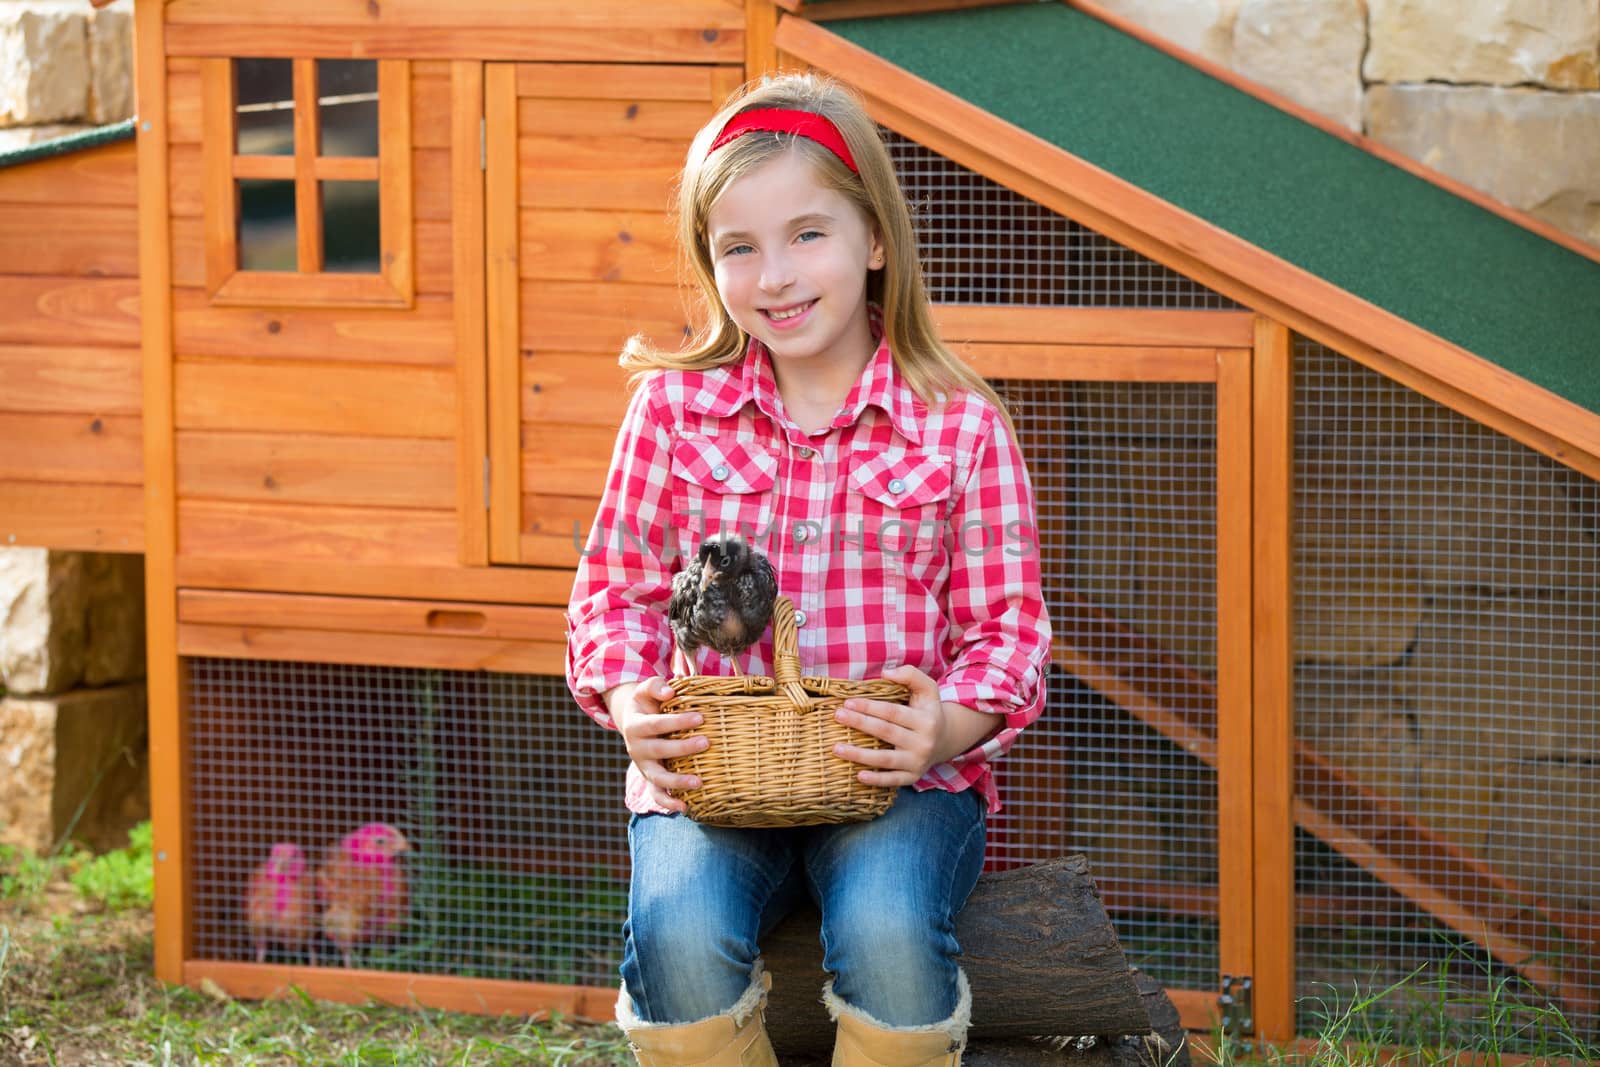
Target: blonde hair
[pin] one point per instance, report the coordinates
(924, 361)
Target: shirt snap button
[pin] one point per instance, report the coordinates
(802, 534)
(720, 473)
(897, 486)
(799, 618)
(807, 453)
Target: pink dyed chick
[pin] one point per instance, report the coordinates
(278, 906)
(363, 887)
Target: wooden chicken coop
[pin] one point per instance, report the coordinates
(1315, 435)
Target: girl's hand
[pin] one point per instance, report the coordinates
(636, 710)
(915, 731)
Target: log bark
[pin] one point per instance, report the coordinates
(1167, 1045)
(1038, 949)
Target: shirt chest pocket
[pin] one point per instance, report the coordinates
(897, 501)
(721, 485)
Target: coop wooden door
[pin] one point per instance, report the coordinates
(326, 337)
(1140, 464)
(580, 160)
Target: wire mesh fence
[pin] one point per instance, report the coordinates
(1124, 475)
(982, 243)
(509, 799)
(1446, 686)
(1447, 640)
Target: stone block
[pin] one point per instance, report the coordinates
(33, 652)
(111, 63)
(1355, 603)
(1542, 830)
(44, 63)
(1307, 50)
(1456, 797)
(1504, 678)
(1365, 725)
(1204, 27)
(115, 648)
(1493, 42)
(76, 762)
(1484, 511)
(1532, 150)
(70, 619)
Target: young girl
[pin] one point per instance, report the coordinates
(818, 415)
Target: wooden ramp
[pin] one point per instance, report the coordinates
(1557, 950)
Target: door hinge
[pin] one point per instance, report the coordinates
(483, 142)
(1235, 1007)
(486, 483)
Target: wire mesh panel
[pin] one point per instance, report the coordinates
(982, 243)
(1125, 477)
(509, 801)
(1447, 698)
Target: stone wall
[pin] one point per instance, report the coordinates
(1499, 94)
(64, 66)
(73, 734)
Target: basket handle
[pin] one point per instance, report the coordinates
(786, 653)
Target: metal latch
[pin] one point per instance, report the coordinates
(1236, 1005)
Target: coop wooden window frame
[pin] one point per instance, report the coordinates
(394, 284)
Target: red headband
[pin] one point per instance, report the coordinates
(807, 124)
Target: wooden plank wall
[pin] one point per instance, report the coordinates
(684, 31)
(71, 464)
(597, 154)
(316, 437)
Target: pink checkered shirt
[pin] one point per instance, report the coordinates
(902, 534)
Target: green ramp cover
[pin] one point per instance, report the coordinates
(1396, 240)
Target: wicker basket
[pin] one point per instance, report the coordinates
(771, 761)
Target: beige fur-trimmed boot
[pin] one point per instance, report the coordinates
(736, 1038)
(862, 1041)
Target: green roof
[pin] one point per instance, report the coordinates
(1396, 240)
(72, 142)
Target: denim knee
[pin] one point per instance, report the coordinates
(898, 966)
(695, 903)
(889, 892)
(683, 963)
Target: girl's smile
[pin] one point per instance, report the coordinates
(788, 317)
(791, 256)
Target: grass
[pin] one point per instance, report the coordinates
(1435, 1016)
(76, 944)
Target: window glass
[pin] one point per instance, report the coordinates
(264, 96)
(347, 98)
(350, 228)
(266, 225)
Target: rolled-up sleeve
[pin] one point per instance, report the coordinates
(616, 619)
(998, 634)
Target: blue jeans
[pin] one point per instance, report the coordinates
(888, 891)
